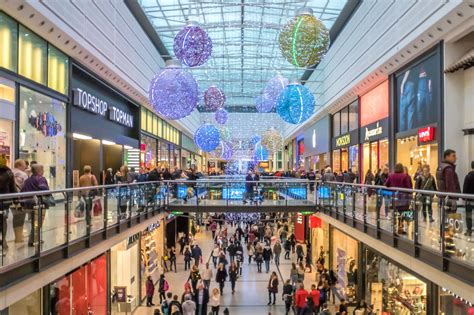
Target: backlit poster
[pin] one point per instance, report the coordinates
(418, 93)
(374, 104)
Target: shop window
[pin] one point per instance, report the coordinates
(149, 123)
(155, 125)
(58, 70)
(8, 43)
(336, 161)
(149, 152)
(29, 305)
(7, 121)
(383, 153)
(412, 155)
(32, 56)
(344, 262)
(345, 120)
(374, 105)
(160, 128)
(354, 116)
(354, 158)
(143, 119)
(336, 124)
(42, 134)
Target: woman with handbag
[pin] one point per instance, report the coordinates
(400, 179)
(37, 182)
(426, 181)
(272, 288)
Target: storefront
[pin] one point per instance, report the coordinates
(124, 275)
(299, 152)
(319, 231)
(316, 143)
(374, 131)
(300, 227)
(392, 289)
(453, 304)
(151, 253)
(418, 104)
(345, 263)
(160, 142)
(104, 126)
(345, 139)
(190, 154)
(33, 111)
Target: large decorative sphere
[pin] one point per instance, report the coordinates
(304, 40)
(274, 87)
(224, 151)
(192, 46)
(261, 153)
(221, 116)
(207, 137)
(255, 139)
(295, 104)
(173, 93)
(264, 104)
(272, 140)
(214, 98)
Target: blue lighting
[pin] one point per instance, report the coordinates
(207, 137)
(295, 104)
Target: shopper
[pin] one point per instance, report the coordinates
(272, 288)
(301, 272)
(221, 277)
(163, 287)
(309, 259)
(150, 291)
(37, 182)
(189, 306)
(202, 299)
(402, 203)
(233, 275)
(172, 259)
(325, 310)
(188, 292)
(369, 178)
(187, 258)
(267, 257)
(447, 178)
(7, 186)
(277, 252)
(207, 275)
(328, 175)
(175, 307)
(468, 188)
(231, 250)
(288, 295)
(426, 181)
(315, 295)
(197, 254)
(343, 305)
(300, 298)
(287, 246)
(299, 253)
(361, 308)
(382, 195)
(19, 171)
(250, 251)
(294, 275)
(194, 277)
(215, 301)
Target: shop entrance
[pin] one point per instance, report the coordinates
(375, 156)
(112, 156)
(412, 154)
(86, 152)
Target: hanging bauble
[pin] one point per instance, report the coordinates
(255, 139)
(192, 45)
(272, 140)
(207, 137)
(261, 153)
(224, 151)
(214, 98)
(274, 87)
(304, 40)
(264, 104)
(221, 116)
(295, 104)
(225, 133)
(173, 92)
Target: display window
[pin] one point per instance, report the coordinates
(391, 289)
(318, 162)
(33, 52)
(374, 156)
(29, 305)
(413, 154)
(320, 244)
(7, 121)
(345, 255)
(354, 158)
(149, 150)
(151, 252)
(124, 277)
(9, 42)
(452, 304)
(43, 134)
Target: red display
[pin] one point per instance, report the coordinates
(315, 222)
(299, 227)
(426, 134)
(374, 105)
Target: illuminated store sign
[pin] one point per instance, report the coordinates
(426, 134)
(313, 138)
(343, 140)
(375, 131)
(98, 106)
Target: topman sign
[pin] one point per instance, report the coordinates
(94, 104)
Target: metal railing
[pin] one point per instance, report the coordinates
(438, 221)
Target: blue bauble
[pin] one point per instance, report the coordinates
(295, 104)
(255, 139)
(207, 137)
(261, 153)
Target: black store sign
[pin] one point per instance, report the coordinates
(345, 140)
(100, 112)
(374, 131)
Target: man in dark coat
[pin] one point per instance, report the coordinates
(468, 188)
(7, 186)
(202, 299)
(447, 178)
(197, 254)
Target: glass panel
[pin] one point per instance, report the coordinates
(143, 119)
(149, 122)
(58, 70)
(354, 159)
(374, 150)
(413, 156)
(160, 128)
(336, 161)
(354, 116)
(155, 125)
(32, 56)
(383, 153)
(344, 159)
(42, 135)
(8, 43)
(366, 162)
(345, 120)
(29, 305)
(336, 124)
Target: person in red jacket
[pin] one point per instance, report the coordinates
(300, 298)
(314, 295)
(402, 204)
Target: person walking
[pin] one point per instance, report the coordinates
(300, 299)
(150, 291)
(197, 254)
(468, 188)
(231, 250)
(215, 254)
(272, 288)
(7, 186)
(207, 275)
(293, 275)
(189, 306)
(175, 307)
(288, 295)
(250, 252)
(221, 277)
(315, 295)
(267, 257)
(19, 172)
(325, 310)
(402, 204)
(309, 258)
(172, 259)
(163, 287)
(187, 258)
(259, 259)
(87, 195)
(287, 246)
(299, 253)
(233, 275)
(382, 195)
(426, 181)
(202, 299)
(215, 301)
(277, 252)
(194, 277)
(447, 178)
(301, 272)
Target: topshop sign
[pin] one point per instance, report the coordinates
(98, 106)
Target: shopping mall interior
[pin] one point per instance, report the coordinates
(264, 157)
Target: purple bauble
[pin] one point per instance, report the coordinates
(192, 46)
(274, 87)
(173, 93)
(214, 98)
(221, 116)
(264, 104)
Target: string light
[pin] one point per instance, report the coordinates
(295, 104)
(221, 116)
(207, 137)
(192, 45)
(272, 140)
(261, 153)
(214, 98)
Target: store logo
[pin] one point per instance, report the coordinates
(133, 239)
(426, 134)
(121, 117)
(314, 138)
(369, 133)
(343, 140)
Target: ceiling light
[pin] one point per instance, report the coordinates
(107, 142)
(127, 147)
(80, 136)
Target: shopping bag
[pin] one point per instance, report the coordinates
(97, 207)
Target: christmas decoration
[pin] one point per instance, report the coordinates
(192, 45)
(295, 104)
(207, 137)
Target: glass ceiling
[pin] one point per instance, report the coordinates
(244, 33)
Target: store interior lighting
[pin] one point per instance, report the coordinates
(107, 142)
(81, 136)
(127, 147)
